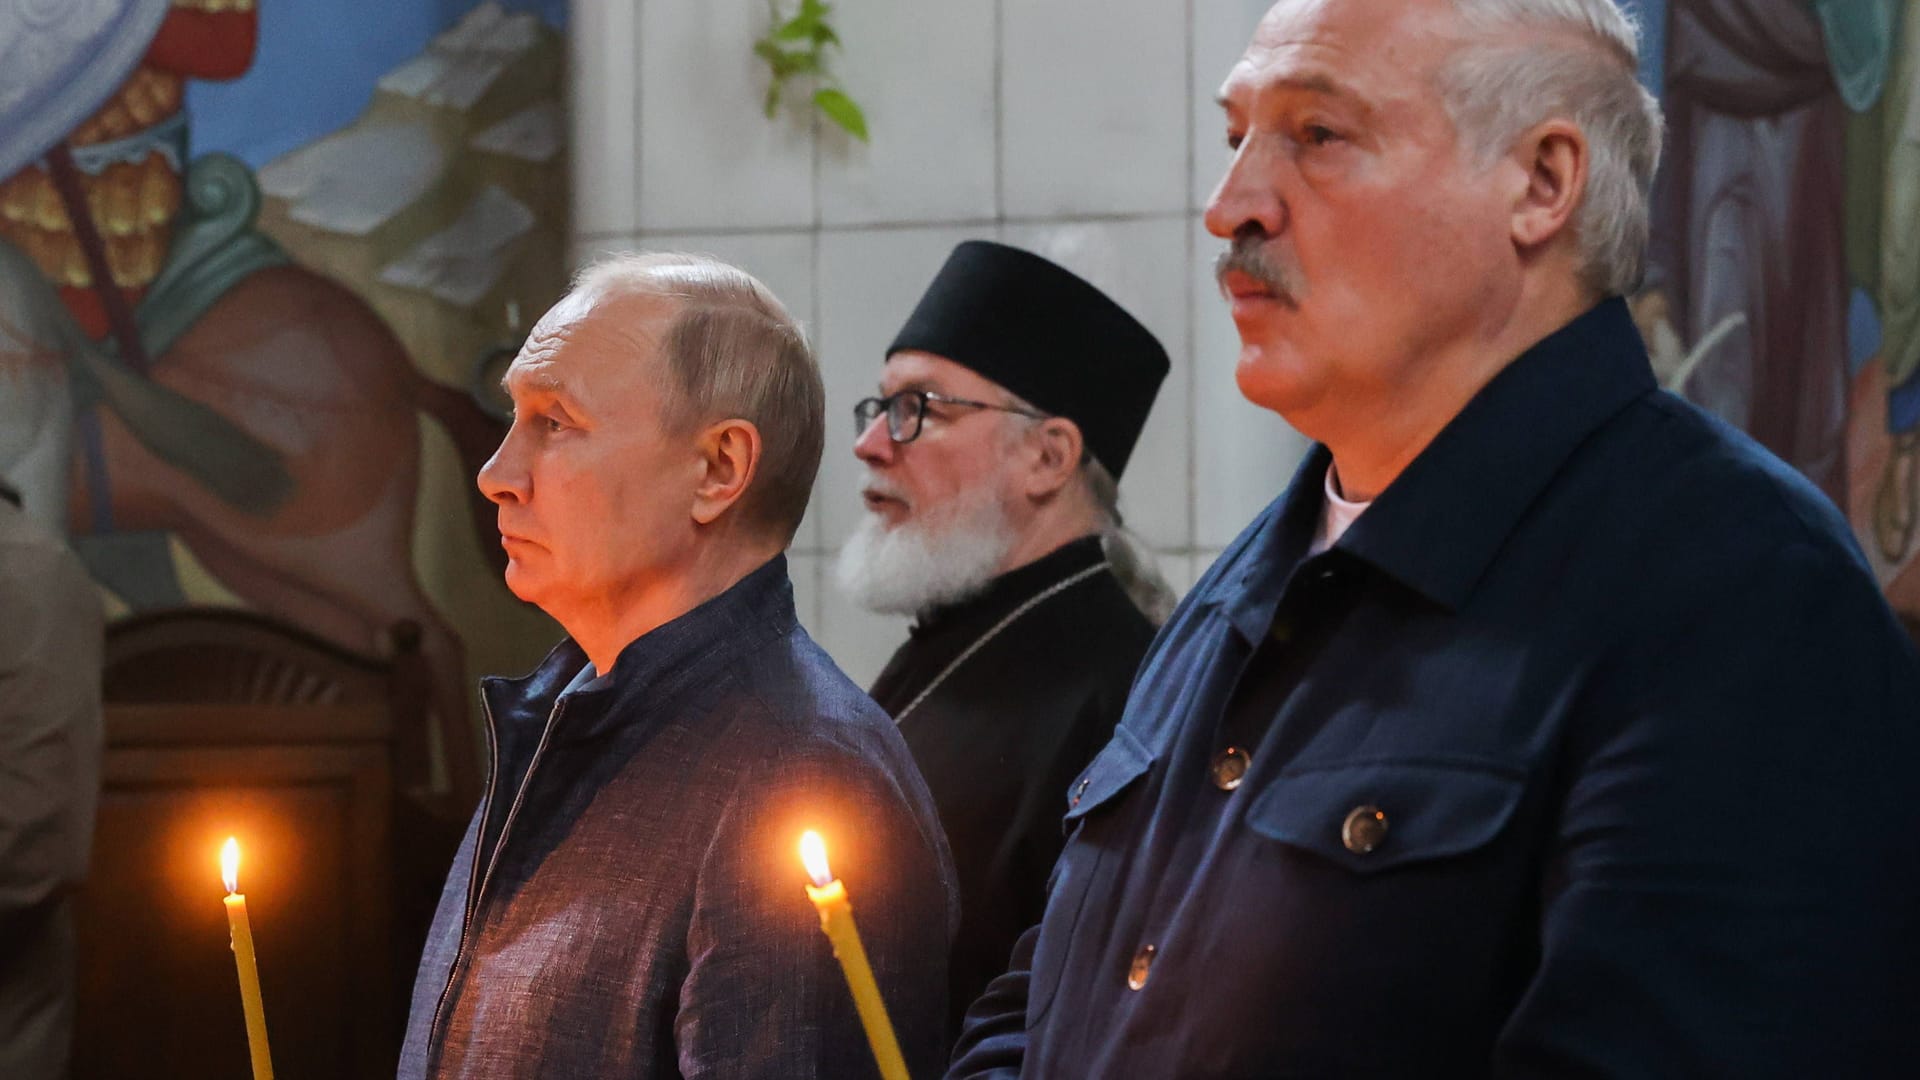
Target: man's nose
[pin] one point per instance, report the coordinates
(874, 446)
(504, 478)
(1248, 196)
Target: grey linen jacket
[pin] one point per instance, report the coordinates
(629, 900)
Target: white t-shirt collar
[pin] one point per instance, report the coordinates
(1337, 514)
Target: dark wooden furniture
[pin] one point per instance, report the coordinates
(227, 723)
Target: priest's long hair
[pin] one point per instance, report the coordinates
(1132, 561)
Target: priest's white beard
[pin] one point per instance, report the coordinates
(931, 559)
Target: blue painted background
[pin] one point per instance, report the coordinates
(316, 66)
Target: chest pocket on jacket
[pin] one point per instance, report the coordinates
(1122, 761)
(1376, 815)
(1097, 791)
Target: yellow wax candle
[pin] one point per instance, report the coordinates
(243, 958)
(836, 918)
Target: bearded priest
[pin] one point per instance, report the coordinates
(1007, 409)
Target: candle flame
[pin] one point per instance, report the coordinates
(230, 864)
(813, 853)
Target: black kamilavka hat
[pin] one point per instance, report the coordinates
(1047, 335)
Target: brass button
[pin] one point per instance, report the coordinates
(1230, 767)
(1364, 829)
(1142, 965)
(1080, 789)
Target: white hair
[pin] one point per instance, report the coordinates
(954, 552)
(1132, 561)
(1525, 61)
(1128, 556)
(924, 563)
(733, 349)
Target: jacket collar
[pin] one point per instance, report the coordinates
(657, 665)
(1442, 521)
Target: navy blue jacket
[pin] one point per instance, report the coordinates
(1590, 750)
(629, 901)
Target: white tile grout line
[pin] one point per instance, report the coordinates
(999, 117)
(813, 335)
(1181, 214)
(1193, 314)
(813, 148)
(639, 125)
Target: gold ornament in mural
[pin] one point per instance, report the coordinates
(134, 195)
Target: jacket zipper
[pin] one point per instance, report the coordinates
(475, 892)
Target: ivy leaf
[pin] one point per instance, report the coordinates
(795, 29)
(799, 63)
(805, 24)
(841, 110)
(796, 46)
(785, 63)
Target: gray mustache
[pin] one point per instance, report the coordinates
(1248, 255)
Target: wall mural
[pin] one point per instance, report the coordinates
(262, 265)
(1784, 291)
(258, 368)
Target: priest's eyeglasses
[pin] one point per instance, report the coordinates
(907, 409)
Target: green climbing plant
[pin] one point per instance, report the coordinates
(796, 46)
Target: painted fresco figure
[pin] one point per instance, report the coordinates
(132, 152)
(1749, 228)
(274, 433)
(1884, 252)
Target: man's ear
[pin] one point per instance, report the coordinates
(1553, 159)
(1058, 449)
(730, 456)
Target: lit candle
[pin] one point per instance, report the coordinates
(836, 918)
(243, 959)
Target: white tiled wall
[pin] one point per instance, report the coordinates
(709, 158)
(604, 117)
(1220, 32)
(1081, 129)
(924, 75)
(1093, 113)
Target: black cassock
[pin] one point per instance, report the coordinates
(1001, 737)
